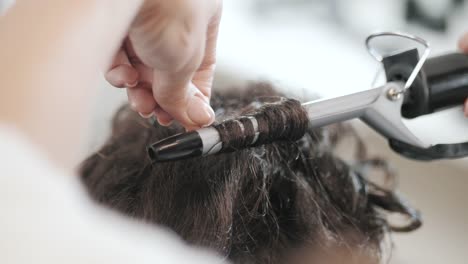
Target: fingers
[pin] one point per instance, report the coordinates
(163, 117)
(466, 107)
(121, 73)
(183, 91)
(127, 71)
(141, 100)
(140, 97)
(203, 78)
(182, 100)
(463, 44)
(122, 76)
(178, 40)
(179, 97)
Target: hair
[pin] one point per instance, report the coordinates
(255, 205)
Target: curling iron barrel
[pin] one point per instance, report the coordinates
(281, 120)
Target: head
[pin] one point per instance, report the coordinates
(285, 202)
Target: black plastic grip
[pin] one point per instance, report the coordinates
(442, 83)
(447, 81)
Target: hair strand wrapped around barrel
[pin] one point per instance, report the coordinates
(282, 120)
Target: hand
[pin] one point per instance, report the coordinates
(168, 59)
(464, 47)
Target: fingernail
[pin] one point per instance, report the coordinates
(131, 85)
(146, 116)
(200, 112)
(165, 123)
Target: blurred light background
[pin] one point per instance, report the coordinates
(316, 47)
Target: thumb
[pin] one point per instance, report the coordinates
(182, 100)
(176, 52)
(184, 93)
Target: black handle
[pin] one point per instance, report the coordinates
(442, 83)
(447, 81)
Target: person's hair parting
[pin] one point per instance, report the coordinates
(255, 204)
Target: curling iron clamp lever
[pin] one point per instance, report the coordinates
(431, 85)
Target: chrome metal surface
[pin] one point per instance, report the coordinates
(329, 111)
(211, 140)
(384, 116)
(394, 94)
(374, 107)
(254, 122)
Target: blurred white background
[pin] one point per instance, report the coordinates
(317, 46)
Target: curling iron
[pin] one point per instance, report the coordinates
(416, 86)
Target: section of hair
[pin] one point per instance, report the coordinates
(255, 205)
(284, 119)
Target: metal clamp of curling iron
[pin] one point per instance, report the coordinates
(431, 85)
(415, 87)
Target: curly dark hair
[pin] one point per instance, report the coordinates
(255, 205)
